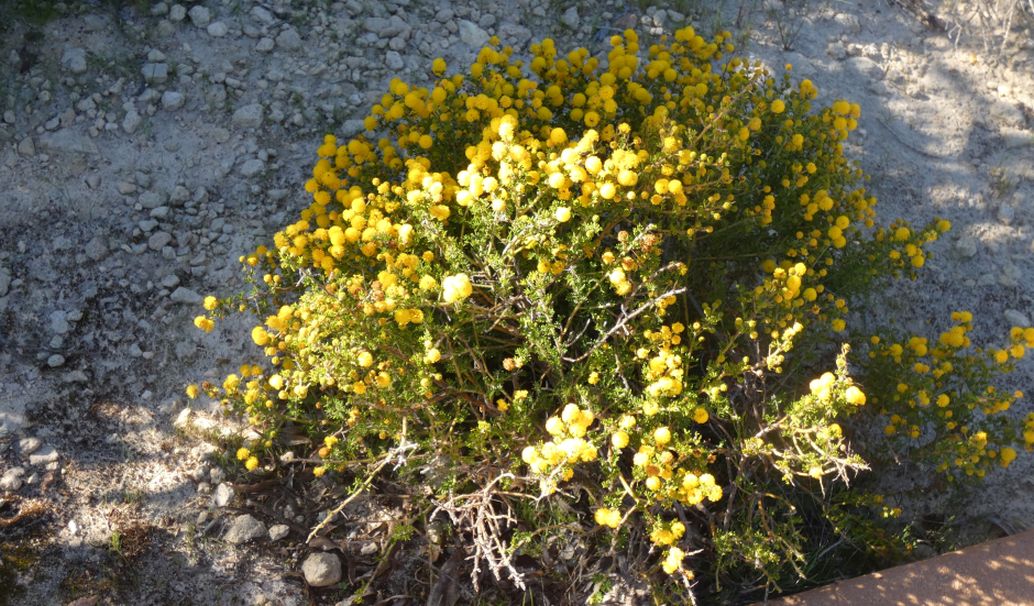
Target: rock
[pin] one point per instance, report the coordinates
(155, 73)
(263, 15)
(252, 167)
(67, 141)
(289, 39)
(570, 17)
(217, 29)
(248, 116)
(5, 281)
(1016, 318)
(265, 45)
(74, 60)
(12, 479)
(159, 240)
(44, 455)
(1006, 213)
(471, 34)
(966, 246)
(200, 16)
(177, 12)
(172, 100)
(29, 445)
(322, 569)
(245, 528)
(279, 531)
(223, 495)
(59, 322)
(26, 147)
(185, 295)
(56, 361)
(394, 60)
(131, 122)
(97, 248)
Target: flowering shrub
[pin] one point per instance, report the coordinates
(603, 305)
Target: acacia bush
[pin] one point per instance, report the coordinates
(594, 316)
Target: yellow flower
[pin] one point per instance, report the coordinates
(619, 439)
(210, 303)
(662, 435)
(259, 336)
(456, 288)
(319, 471)
(778, 106)
(673, 561)
(243, 453)
(438, 66)
(563, 214)
(251, 464)
(854, 396)
(1008, 455)
(192, 391)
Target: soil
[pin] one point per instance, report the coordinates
(145, 146)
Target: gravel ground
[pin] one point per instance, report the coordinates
(145, 146)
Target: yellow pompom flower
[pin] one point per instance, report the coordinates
(243, 453)
(192, 391)
(778, 106)
(438, 66)
(251, 464)
(854, 396)
(210, 303)
(456, 288)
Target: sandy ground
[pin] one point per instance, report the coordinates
(144, 147)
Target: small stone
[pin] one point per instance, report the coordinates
(222, 495)
(74, 60)
(26, 147)
(217, 29)
(1006, 213)
(570, 17)
(966, 246)
(29, 445)
(185, 295)
(278, 532)
(322, 569)
(151, 199)
(471, 34)
(12, 479)
(155, 73)
(5, 281)
(56, 361)
(131, 122)
(177, 13)
(394, 60)
(263, 15)
(1016, 318)
(44, 455)
(59, 322)
(172, 100)
(245, 528)
(252, 167)
(248, 116)
(200, 16)
(289, 39)
(170, 281)
(158, 240)
(265, 45)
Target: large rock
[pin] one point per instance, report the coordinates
(246, 528)
(67, 141)
(322, 569)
